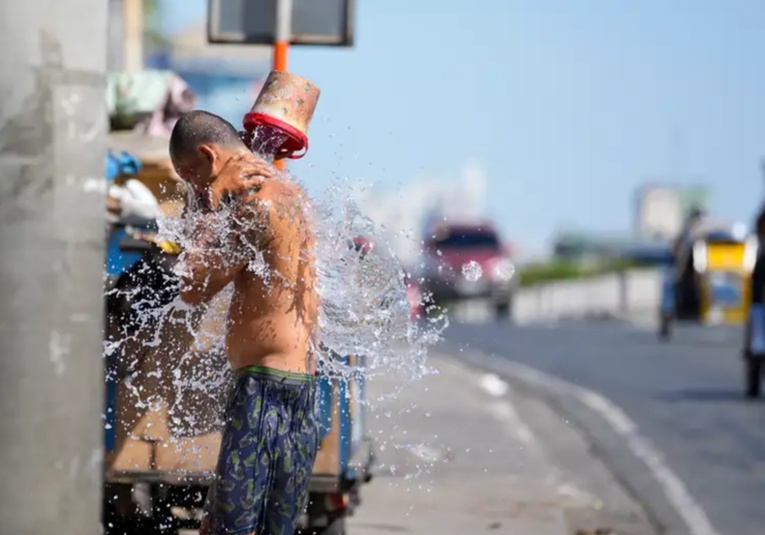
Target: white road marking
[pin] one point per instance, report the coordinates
(493, 385)
(678, 495)
(503, 409)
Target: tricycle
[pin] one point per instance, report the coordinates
(707, 280)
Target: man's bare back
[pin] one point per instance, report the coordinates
(274, 306)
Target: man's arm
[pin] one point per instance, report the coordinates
(205, 275)
(221, 250)
(210, 263)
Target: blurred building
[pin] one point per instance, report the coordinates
(585, 248)
(661, 209)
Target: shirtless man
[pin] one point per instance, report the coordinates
(271, 436)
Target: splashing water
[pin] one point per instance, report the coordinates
(365, 308)
(171, 357)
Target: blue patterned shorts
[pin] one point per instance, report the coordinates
(267, 453)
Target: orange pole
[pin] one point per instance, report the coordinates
(282, 38)
(281, 48)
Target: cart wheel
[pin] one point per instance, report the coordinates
(502, 310)
(753, 370)
(665, 327)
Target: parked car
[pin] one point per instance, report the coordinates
(468, 260)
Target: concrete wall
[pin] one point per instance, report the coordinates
(115, 43)
(633, 292)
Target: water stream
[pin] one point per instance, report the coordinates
(172, 356)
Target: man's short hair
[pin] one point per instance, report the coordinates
(199, 127)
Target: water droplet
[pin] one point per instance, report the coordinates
(472, 271)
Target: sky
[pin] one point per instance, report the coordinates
(568, 106)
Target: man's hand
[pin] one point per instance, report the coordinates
(211, 260)
(240, 180)
(222, 240)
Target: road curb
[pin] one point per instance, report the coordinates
(629, 470)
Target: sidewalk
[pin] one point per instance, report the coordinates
(460, 453)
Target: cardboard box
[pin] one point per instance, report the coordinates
(168, 416)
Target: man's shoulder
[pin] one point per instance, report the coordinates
(288, 201)
(287, 189)
(251, 164)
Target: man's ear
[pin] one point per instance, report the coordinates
(209, 159)
(208, 153)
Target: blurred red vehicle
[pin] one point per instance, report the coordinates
(415, 297)
(468, 260)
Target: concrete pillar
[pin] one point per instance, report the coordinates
(116, 37)
(52, 149)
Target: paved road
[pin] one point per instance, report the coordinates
(461, 452)
(685, 396)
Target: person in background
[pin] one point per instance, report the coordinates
(692, 221)
(758, 271)
(757, 287)
(128, 200)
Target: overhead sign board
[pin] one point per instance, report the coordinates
(253, 22)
